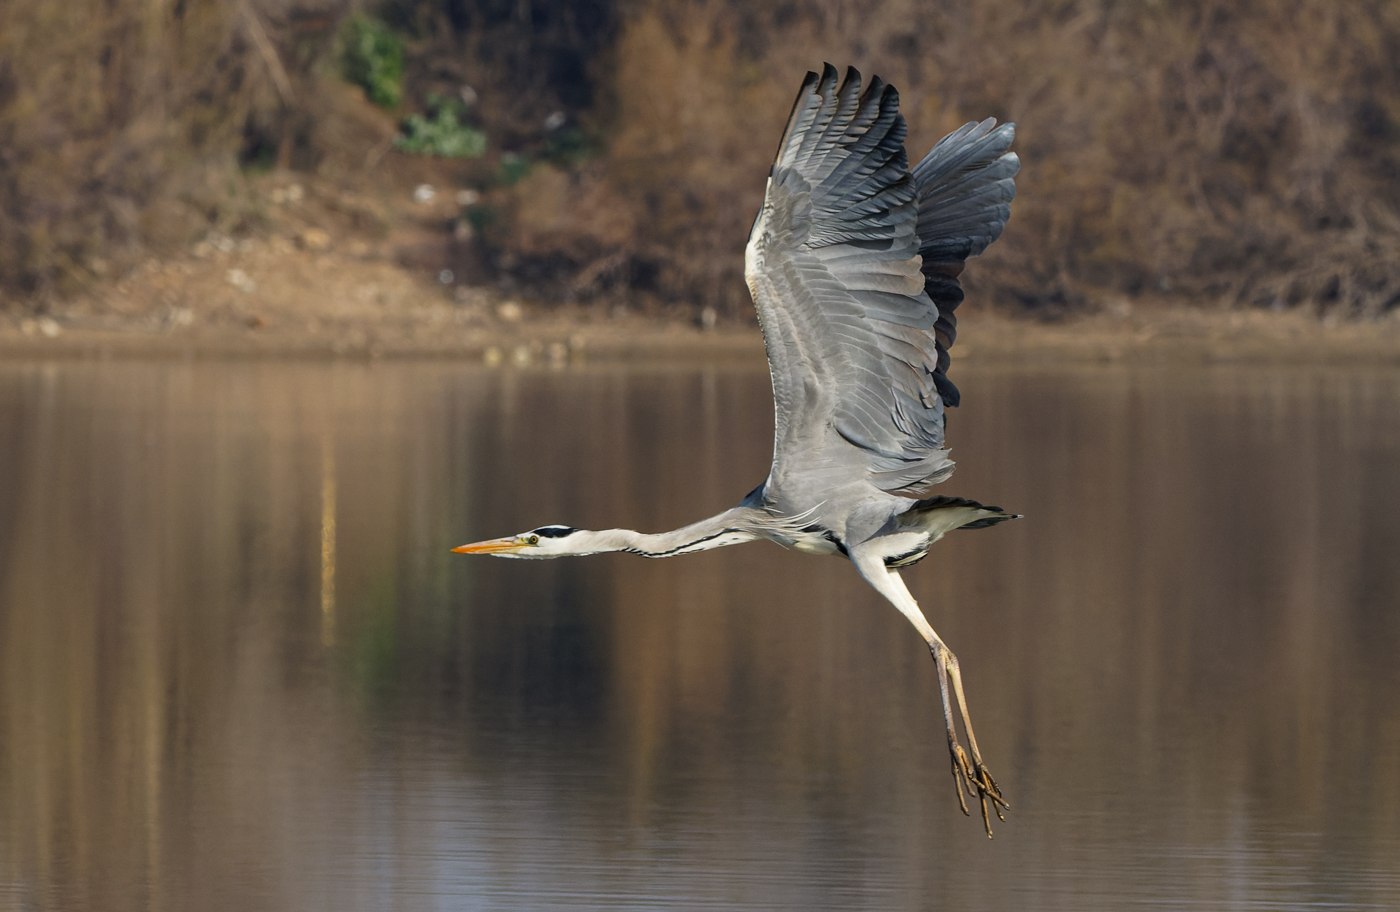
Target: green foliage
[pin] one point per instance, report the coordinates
(372, 57)
(513, 169)
(258, 158)
(481, 217)
(569, 147)
(444, 133)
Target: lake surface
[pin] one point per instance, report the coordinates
(240, 669)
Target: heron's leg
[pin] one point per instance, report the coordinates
(970, 775)
(973, 774)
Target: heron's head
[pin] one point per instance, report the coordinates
(546, 541)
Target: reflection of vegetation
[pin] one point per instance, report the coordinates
(443, 133)
(373, 641)
(371, 56)
(186, 672)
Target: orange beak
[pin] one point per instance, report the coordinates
(494, 546)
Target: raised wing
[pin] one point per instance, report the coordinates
(965, 184)
(857, 346)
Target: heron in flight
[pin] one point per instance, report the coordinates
(853, 265)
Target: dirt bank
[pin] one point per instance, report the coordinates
(305, 292)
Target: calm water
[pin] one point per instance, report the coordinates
(240, 670)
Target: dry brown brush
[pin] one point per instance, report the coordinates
(121, 124)
(1239, 153)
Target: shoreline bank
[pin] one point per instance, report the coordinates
(326, 298)
(439, 331)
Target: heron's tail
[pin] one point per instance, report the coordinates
(944, 514)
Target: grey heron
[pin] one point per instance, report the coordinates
(853, 265)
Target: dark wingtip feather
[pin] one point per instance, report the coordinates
(809, 82)
(946, 390)
(966, 184)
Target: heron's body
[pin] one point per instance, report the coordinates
(853, 264)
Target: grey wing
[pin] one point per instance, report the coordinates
(857, 346)
(966, 184)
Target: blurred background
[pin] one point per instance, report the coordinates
(1239, 153)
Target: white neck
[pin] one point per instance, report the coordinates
(728, 528)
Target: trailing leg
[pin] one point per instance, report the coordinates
(972, 776)
(969, 774)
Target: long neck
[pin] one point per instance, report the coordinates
(731, 527)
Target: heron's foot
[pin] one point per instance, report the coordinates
(970, 775)
(973, 777)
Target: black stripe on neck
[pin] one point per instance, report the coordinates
(678, 548)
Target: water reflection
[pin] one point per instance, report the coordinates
(240, 669)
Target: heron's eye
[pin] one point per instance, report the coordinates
(533, 539)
